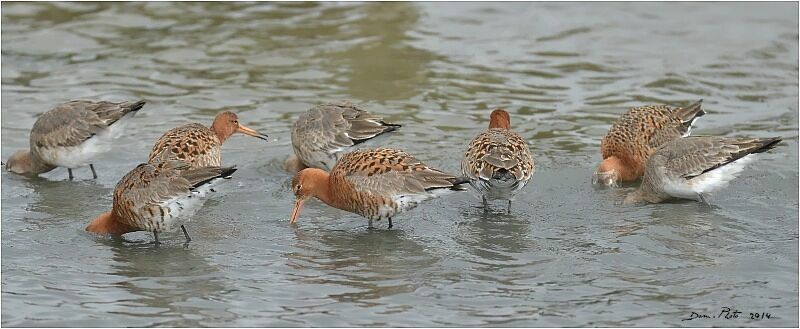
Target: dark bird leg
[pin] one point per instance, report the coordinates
(94, 173)
(508, 211)
(702, 199)
(69, 170)
(369, 226)
(155, 235)
(186, 234)
(390, 223)
(485, 204)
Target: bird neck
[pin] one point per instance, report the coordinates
(499, 121)
(220, 131)
(108, 223)
(322, 188)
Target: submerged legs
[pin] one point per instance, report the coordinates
(370, 224)
(94, 173)
(485, 203)
(155, 235)
(508, 211)
(186, 234)
(390, 223)
(69, 170)
(702, 199)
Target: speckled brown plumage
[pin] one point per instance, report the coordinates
(498, 161)
(691, 167)
(198, 145)
(158, 196)
(322, 134)
(376, 184)
(194, 143)
(640, 131)
(71, 134)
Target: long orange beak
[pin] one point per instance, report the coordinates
(298, 205)
(250, 132)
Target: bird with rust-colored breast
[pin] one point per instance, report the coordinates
(158, 197)
(636, 135)
(324, 133)
(498, 161)
(198, 145)
(692, 167)
(71, 135)
(376, 184)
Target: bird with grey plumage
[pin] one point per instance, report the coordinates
(321, 135)
(159, 196)
(636, 135)
(693, 167)
(498, 161)
(71, 135)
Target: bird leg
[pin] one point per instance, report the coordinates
(508, 211)
(369, 226)
(702, 199)
(485, 203)
(69, 170)
(94, 173)
(155, 235)
(186, 234)
(390, 223)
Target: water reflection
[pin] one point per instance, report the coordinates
(61, 200)
(170, 282)
(365, 260)
(493, 236)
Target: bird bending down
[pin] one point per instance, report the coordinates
(324, 133)
(376, 184)
(198, 145)
(158, 196)
(498, 162)
(636, 135)
(691, 167)
(71, 135)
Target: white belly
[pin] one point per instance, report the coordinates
(83, 154)
(707, 182)
(180, 210)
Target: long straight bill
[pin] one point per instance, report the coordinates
(298, 205)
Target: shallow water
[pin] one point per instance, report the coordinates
(568, 255)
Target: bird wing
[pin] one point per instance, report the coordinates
(148, 186)
(189, 142)
(390, 172)
(693, 156)
(495, 152)
(332, 127)
(72, 123)
(640, 131)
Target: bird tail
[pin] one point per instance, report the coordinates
(134, 106)
(459, 183)
(766, 144)
(690, 113)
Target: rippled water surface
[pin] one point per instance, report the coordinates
(568, 255)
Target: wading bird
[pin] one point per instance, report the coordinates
(71, 135)
(636, 135)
